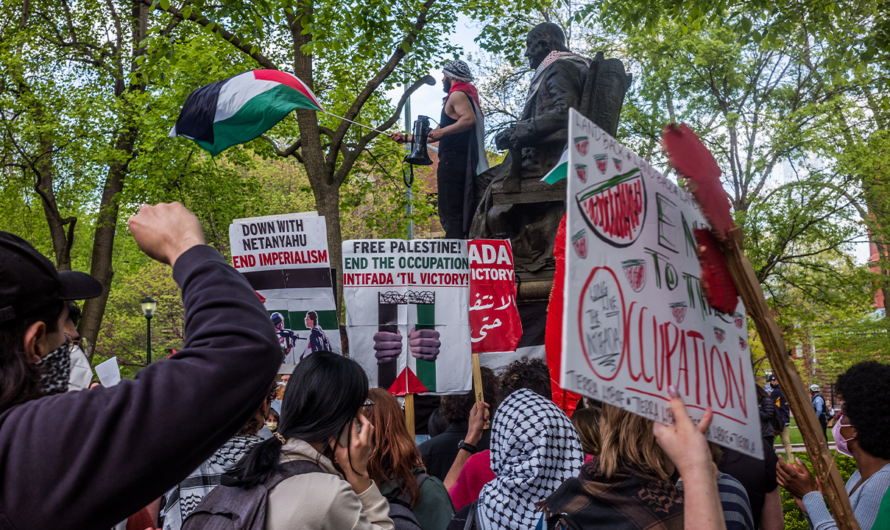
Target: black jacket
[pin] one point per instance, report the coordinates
(770, 418)
(90, 459)
(440, 452)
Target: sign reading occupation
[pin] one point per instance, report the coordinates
(636, 316)
(285, 259)
(406, 313)
(494, 317)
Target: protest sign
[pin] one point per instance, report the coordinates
(636, 317)
(285, 259)
(494, 317)
(394, 289)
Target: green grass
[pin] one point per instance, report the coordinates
(796, 437)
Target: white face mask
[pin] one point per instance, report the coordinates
(81, 373)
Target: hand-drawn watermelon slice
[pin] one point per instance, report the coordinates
(738, 320)
(615, 209)
(581, 144)
(679, 311)
(720, 334)
(742, 343)
(581, 171)
(602, 163)
(635, 271)
(617, 162)
(579, 241)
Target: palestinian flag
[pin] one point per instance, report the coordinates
(239, 109)
(559, 171)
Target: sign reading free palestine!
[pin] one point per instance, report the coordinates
(636, 316)
(395, 286)
(285, 259)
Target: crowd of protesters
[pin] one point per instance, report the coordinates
(215, 438)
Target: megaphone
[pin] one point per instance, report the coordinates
(419, 155)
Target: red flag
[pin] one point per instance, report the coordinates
(564, 399)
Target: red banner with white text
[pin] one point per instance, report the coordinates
(494, 317)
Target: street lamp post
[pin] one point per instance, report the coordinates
(148, 309)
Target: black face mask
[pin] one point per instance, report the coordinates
(55, 369)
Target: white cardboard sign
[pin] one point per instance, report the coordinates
(396, 286)
(285, 259)
(636, 316)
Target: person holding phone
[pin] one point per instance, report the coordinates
(321, 424)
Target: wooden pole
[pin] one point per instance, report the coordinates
(792, 386)
(477, 381)
(409, 413)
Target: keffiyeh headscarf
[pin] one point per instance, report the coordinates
(534, 449)
(459, 71)
(185, 497)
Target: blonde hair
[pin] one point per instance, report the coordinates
(628, 440)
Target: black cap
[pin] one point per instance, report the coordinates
(29, 282)
(772, 378)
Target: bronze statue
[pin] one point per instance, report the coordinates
(513, 203)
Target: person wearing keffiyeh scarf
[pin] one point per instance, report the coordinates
(183, 498)
(534, 449)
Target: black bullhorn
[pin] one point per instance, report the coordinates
(419, 155)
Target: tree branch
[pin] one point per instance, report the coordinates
(219, 30)
(372, 84)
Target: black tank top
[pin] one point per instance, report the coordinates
(454, 144)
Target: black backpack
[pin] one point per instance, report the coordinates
(231, 507)
(400, 507)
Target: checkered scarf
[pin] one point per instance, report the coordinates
(534, 449)
(459, 71)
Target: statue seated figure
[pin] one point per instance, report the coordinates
(512, 202)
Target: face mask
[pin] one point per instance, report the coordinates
(81, 374)
(839, 440)
(54, 370)
(272, 426)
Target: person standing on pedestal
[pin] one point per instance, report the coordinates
(461, 149)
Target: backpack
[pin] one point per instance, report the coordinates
(231, 507)
(400, 507)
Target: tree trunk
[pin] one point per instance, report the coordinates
(106, 224)
(62, 241)
(327, 202)
(103, 241)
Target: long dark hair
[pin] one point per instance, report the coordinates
(324, 394)
(19, 379)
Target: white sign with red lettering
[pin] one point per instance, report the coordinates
(637, 319)
(285, 259)
(494, 317)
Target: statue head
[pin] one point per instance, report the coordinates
(543, 39)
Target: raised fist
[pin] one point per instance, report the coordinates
(424, 344)
(387, 346)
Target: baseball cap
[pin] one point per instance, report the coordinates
(771, 378)
(30, 282)
(815, 388)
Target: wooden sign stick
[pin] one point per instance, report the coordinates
(477, 381)
(826, 471)
(409, 413)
